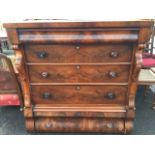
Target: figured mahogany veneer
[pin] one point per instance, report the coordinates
(78, 73)
(76, 53)
(79, 94)
(79, 125)
(79, 76)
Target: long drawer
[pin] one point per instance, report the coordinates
(78, 53)
(79, 94)
(78, 73)
(80, 125)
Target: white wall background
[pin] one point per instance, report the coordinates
(77, 9)
(11, 10)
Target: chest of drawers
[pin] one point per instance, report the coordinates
(79, 76)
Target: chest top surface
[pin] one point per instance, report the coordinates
(76, 23)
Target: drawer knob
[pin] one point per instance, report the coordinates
(48, 125)
(78, 67)
(112, 74)
(77, 47)
(77, 87)
(44, 74)
(109, 125)
(46, 95)
(42, 55)
(110, 95)
(114, 54)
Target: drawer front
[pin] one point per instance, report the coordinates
(76, 54)
(80, 125)
(79, 73)
(79, 94)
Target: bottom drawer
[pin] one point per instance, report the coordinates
(82, 125)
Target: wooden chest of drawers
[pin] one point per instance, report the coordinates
(79, 76)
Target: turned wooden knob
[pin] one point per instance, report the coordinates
(77, 87)
(109, 125)
(46, 95)
(44, 74)
(110, 95)
(77, 47)
(42, 55)
(48, 125)
(112, 74)
(77, 67)
(114, 54)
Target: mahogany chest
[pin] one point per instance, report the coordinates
(79, 76)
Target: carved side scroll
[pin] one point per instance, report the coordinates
(19, 63)
(137, 66)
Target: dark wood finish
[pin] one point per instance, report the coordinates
(79, 125)
(78, 53)
(79, 76)
(83, 110)
(79, 94)
(78, 73)
(78, 36)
